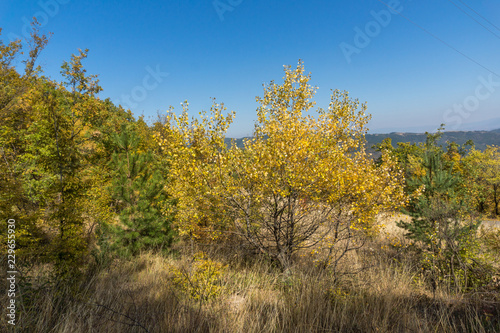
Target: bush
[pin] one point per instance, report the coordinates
(203, 281)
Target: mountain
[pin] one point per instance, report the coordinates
(482, 125)
(481, 139)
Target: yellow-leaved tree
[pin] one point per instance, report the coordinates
(192, 150)
(300, 181)
(305, 180)
(485, 173)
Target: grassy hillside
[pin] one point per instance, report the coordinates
(378, 291)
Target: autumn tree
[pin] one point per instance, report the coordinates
(57, 150)
(16, 116)
(305, 180)
(12, 83)
(53, 139)
(193, 148)
(492, 175)
(300, 181)
(484, 169)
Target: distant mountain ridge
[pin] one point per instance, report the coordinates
(482, 125)
(481, 139)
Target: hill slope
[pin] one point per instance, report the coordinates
(480, 138)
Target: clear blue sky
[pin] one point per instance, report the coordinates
(227, 48)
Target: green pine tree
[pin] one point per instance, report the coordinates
(138, 191)
(443, 225)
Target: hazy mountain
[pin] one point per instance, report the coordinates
(481, 139)
(483, 125)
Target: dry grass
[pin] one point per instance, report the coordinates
(139, 296)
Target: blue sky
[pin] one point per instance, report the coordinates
(228, 48)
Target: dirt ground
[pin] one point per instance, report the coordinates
(389, 222)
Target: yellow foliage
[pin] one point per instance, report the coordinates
(194, 151)
(203, 281)
(297, 178)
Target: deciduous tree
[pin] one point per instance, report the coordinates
(299, 180)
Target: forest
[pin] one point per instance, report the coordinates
(113, 223)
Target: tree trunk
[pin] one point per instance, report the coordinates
(496, 198)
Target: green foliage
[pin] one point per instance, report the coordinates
(481, 138)
(444, 224)
(16, 115)
(55, 143)
(138, 192)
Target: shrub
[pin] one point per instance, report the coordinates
(203, 281)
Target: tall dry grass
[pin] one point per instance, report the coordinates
(140, 296)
